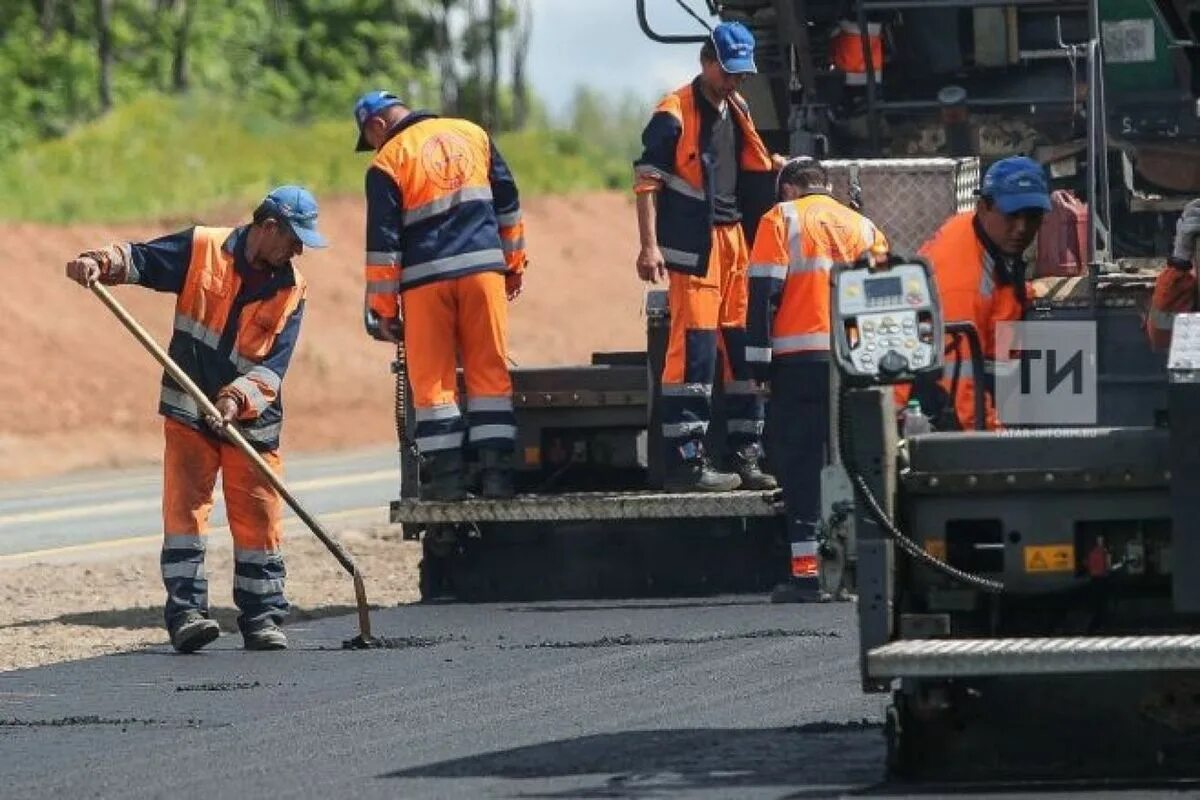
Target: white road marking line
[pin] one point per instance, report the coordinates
(146, 504)
(130, 540)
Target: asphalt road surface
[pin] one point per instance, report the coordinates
(730, 698)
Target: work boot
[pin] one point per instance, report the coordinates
(496, 474)
(446, 479)
(745, 462)
(191, 630)
(268, 637)
(799, 590)
(696, 474)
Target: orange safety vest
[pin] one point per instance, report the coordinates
(441, 166)
(965, 276)
(797, 245)
(846, 51)
(202, 314)
(1174, 293)
(674, 162)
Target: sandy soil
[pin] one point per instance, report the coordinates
(78, 392)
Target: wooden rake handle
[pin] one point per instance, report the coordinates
(235, 435)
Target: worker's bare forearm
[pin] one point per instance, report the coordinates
(646, 216)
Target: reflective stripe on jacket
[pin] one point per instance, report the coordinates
(234, 331)
(441, 204)
(965, 273)
(675, 163)
(846, 52)
(797, 245)
(1174, 293)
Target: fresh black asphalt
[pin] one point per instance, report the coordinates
(728, 698)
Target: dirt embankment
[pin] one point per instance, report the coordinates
(77, 391)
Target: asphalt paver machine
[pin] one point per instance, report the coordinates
(1029, 595)
(590, 519)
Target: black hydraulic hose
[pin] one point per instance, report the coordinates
(400, 370)
(863, 491)
(644, 23)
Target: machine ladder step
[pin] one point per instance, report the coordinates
(591, 506)
(935, 658)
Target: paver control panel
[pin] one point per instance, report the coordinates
(887, 323)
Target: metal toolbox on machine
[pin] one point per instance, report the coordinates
(908, 198)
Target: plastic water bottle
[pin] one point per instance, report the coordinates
(915, 421)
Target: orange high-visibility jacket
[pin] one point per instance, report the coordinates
(797, 245)
(441, 204)
(675, 162)
(235, 330)
(846, 52)
(965, 274)
(1174, 293)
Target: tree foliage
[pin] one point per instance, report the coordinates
(144, 101)
(63, 62)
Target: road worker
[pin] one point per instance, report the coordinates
(702, 181)
(980, 271)
(445, 248)
(237, 318)
(1175, 287)
(788, 342)
(846, 52)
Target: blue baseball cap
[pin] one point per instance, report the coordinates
(1016, 183)
(368, 106)
(296, 206)
(734, 44)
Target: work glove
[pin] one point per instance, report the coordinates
(227, 406)
(513, 282)
(389, 329)
(83, 270)
(1187, 228)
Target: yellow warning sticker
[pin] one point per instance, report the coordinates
(936, 548)
(1050, 558)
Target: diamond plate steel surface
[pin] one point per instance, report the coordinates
(929, 658)
(908, 198)
(591, 506)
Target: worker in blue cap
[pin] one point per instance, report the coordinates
(978, 262)
(445, 254)
(702, 182)
(240, 302)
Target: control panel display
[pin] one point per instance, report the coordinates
(888, 325)
(883, 289)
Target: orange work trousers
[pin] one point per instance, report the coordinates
(254, 509)
(447, 320)
(708, 321)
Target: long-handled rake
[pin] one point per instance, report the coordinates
(364, 638)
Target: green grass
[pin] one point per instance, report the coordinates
(163, 158)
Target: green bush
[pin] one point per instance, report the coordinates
(169, 158)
